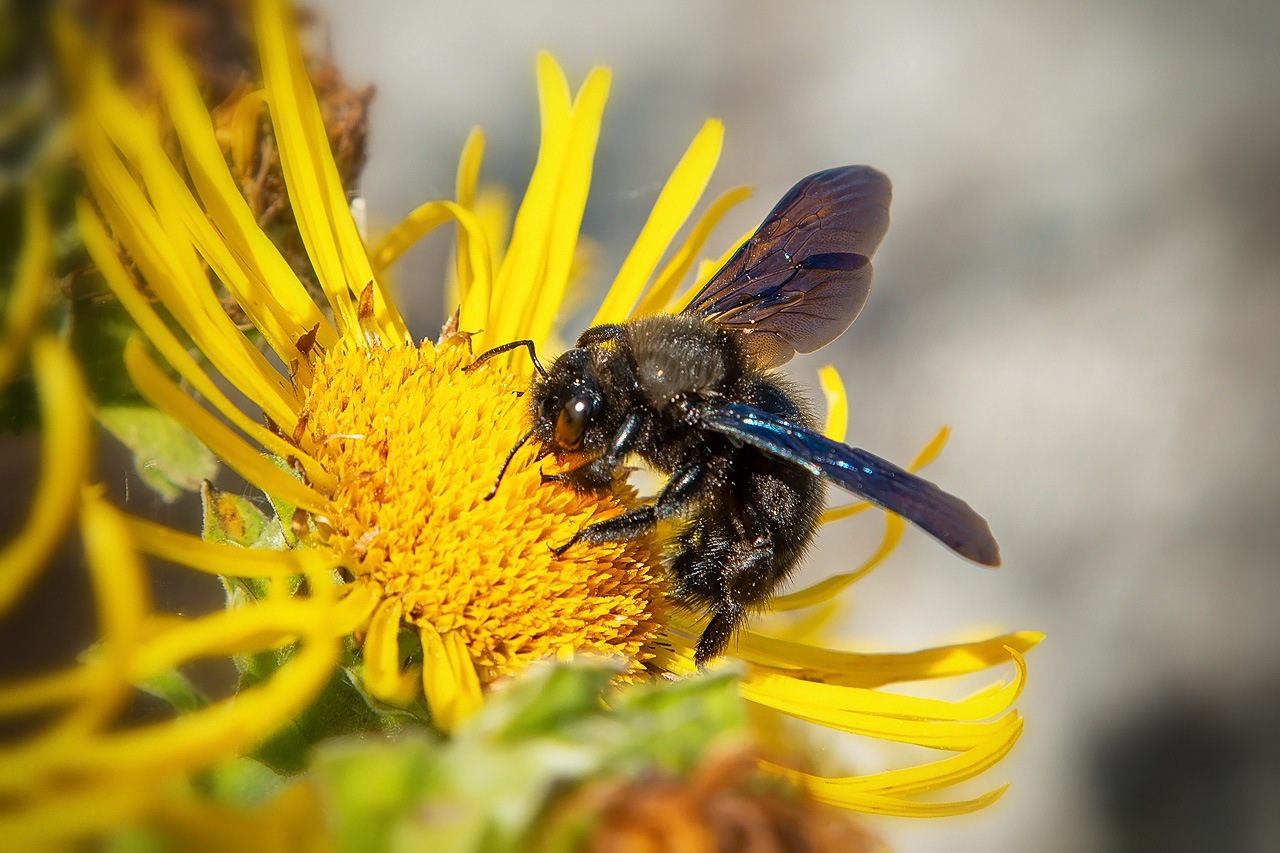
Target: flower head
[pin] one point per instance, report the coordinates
(377, 452)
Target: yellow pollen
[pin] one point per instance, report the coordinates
(415, 443)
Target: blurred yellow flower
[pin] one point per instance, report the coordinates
(377, 454)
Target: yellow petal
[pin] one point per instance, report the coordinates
(64, 463)
(465, 195)
(244, 130)
(674, 204)
(170, 266)
(706, 269)
(209, 557)
(832, 792)
(222, 728)
(381, 672)
(666, 282)
(440, 685)
(936, 775)
(570, 201)
(218, 191)
(290, 100)
(160, 392)
(909, 719)
(469, 696)
(119, 582)
(353, 610)
(30, 286)
(50, 689)
(268, 624)
(187, 225)
(876, 670)
(423, 220)
(69, 816)
(139, 308)
(837, 403)
(522, 266)
(931, 450)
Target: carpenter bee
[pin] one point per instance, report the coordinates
(696, 397)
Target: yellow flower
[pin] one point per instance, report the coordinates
(377, 452)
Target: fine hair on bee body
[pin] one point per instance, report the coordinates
(695, 395)
(749, 515)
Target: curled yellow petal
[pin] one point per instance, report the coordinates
(353, 610)
(830, 791)
(382, 675)
(52, 689)
(30, 285)
(891, 716)
(876, 670)
(209, 557)
(64, 463)
(424, 219)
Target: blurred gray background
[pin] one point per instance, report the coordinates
(1082, 279)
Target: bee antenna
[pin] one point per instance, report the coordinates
(499, 350)
(505, 462)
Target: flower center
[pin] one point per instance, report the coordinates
(415, 444)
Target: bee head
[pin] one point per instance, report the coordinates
(566, 405)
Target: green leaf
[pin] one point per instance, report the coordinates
(136, 839)
(550, 730)
(166, 455)
(241, 782)
(368, 814)
(173, 687)
(548, 702)
(284, 511)
(98, 331)
(231, 519)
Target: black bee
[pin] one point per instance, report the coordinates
(695, 396)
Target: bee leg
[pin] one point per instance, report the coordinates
(598, 474)
(675, 499)
(728, 568)
(600, 334)
(717, 633)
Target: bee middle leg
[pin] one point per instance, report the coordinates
(680, 493)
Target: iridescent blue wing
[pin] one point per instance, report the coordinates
(802, 278)
(945, 517)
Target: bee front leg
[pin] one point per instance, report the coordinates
(681, 493)
(598, 474)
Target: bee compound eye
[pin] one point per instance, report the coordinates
(572, 421)
(546, 408)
